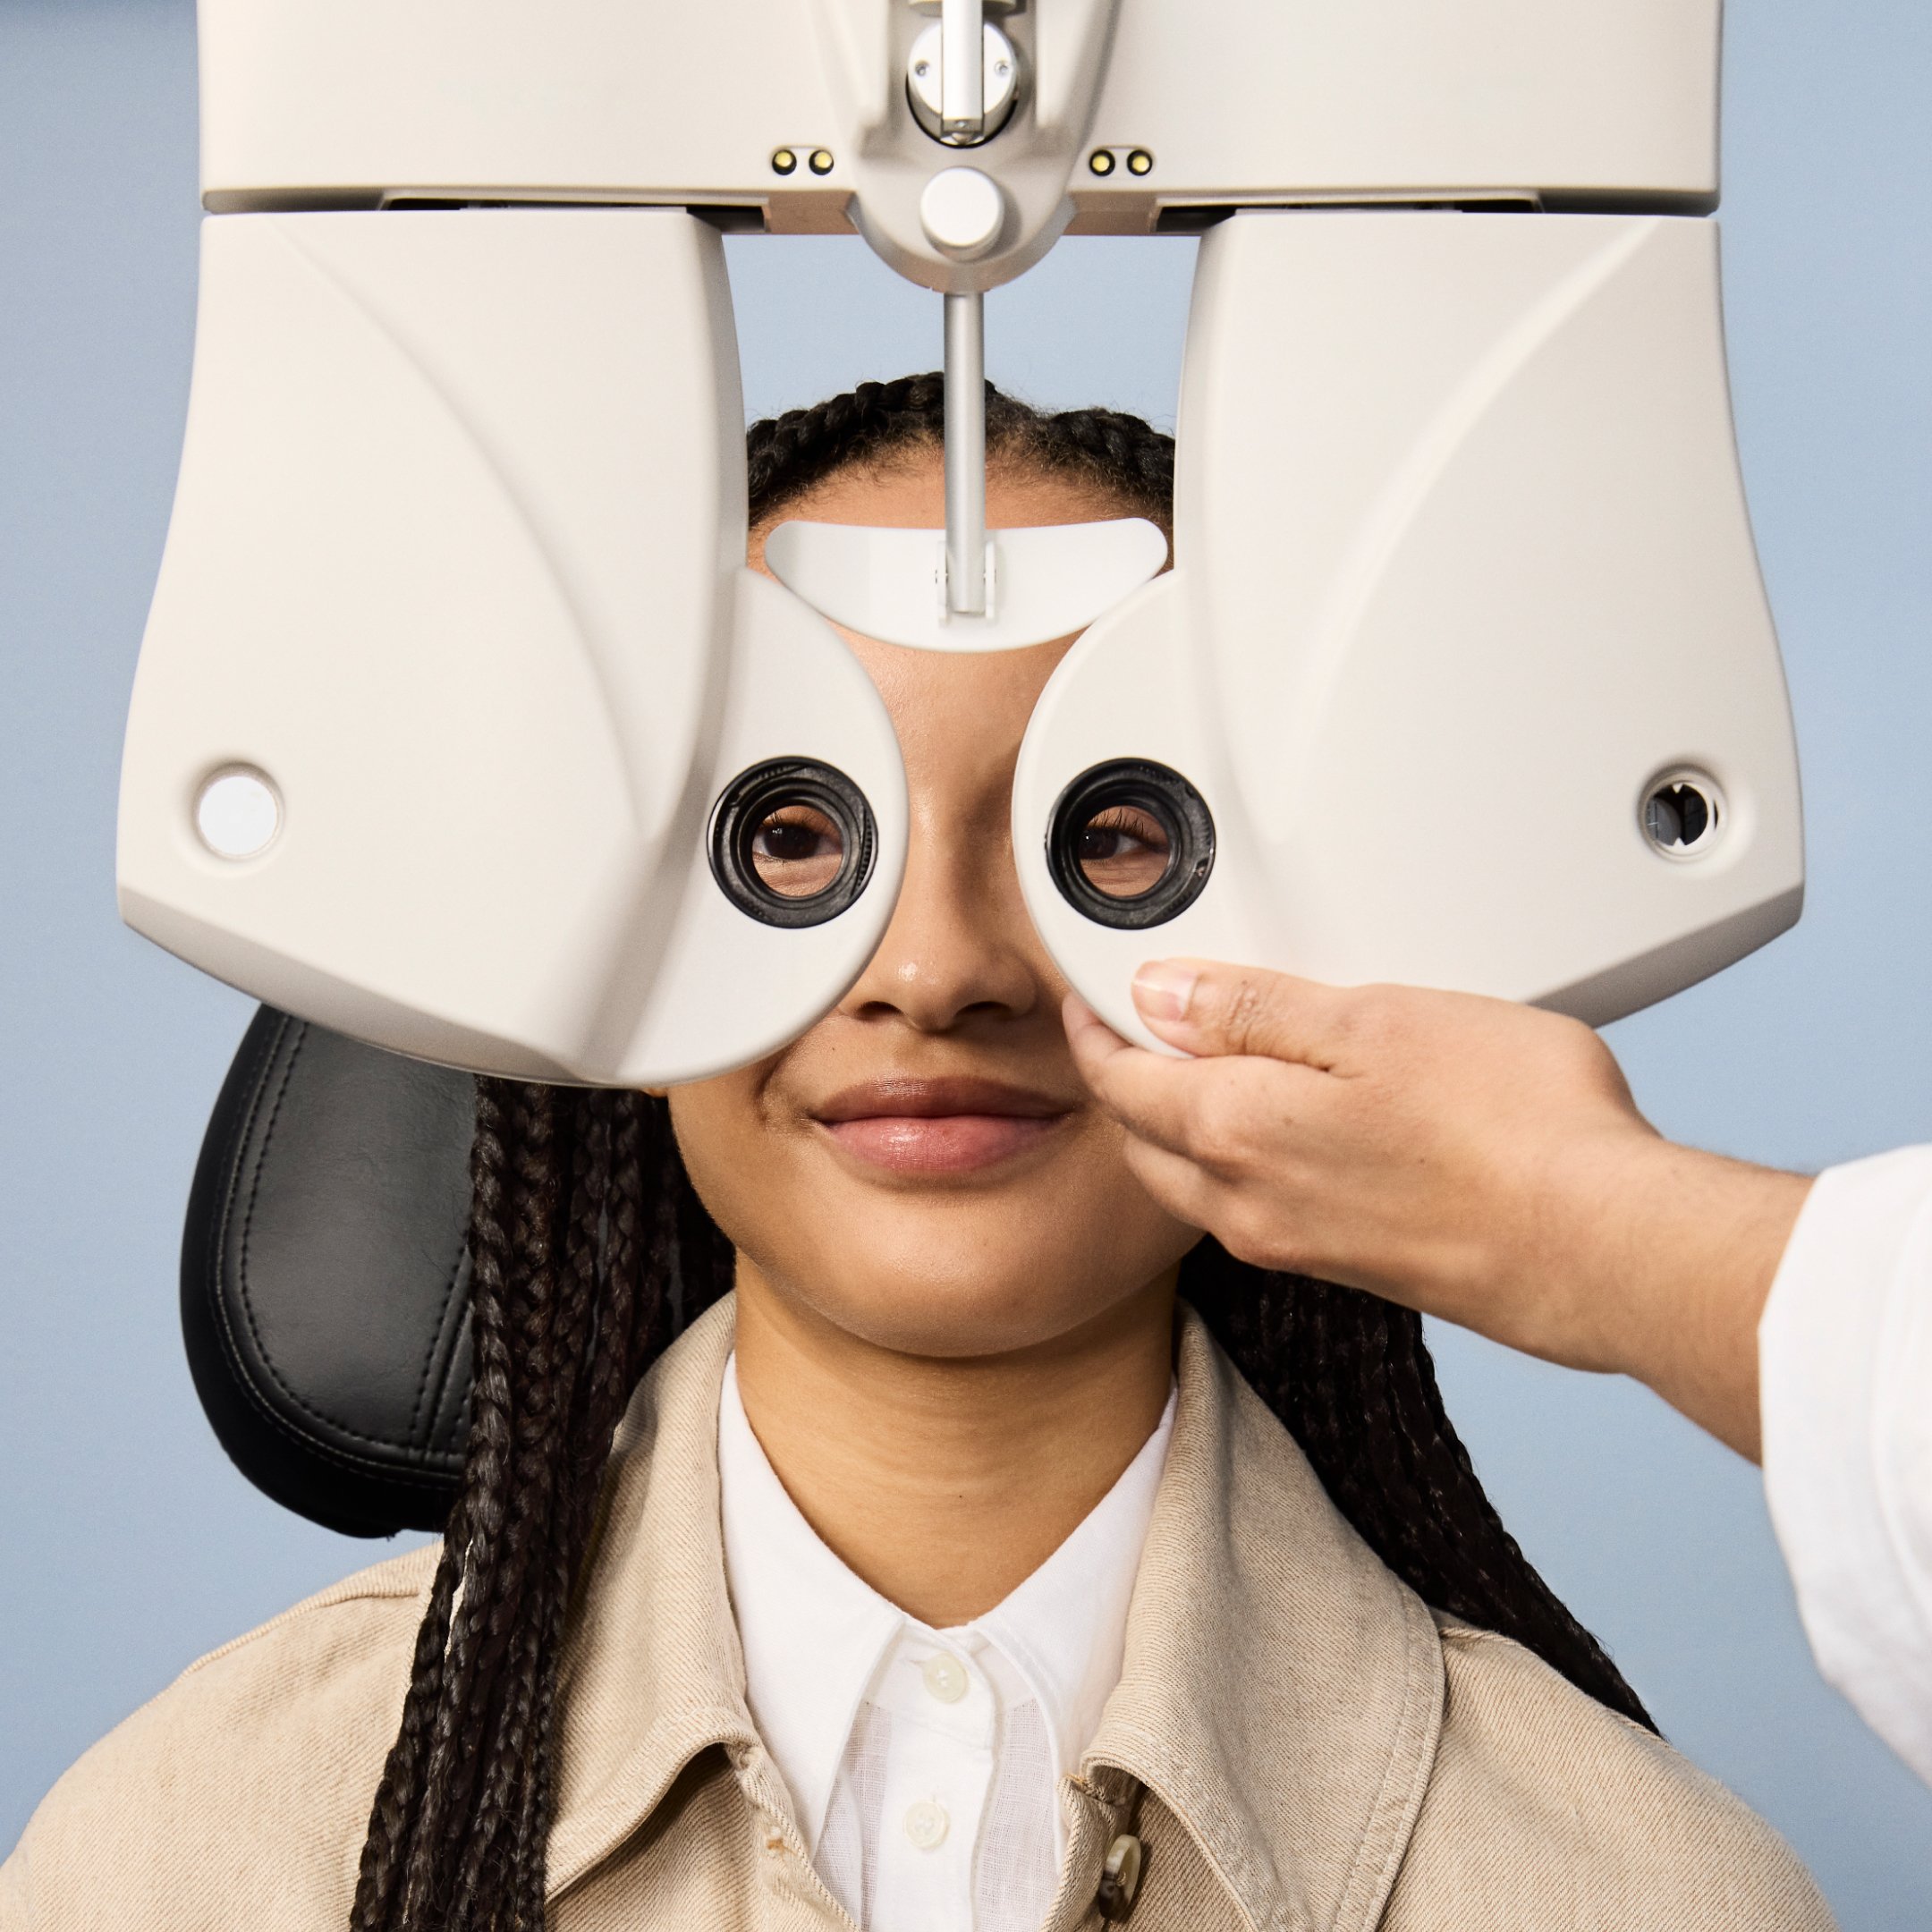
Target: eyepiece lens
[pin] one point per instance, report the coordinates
(792, 843)
(1124, 851)
(797, 850)
(1130, 843)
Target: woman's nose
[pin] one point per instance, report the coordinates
(960, 944)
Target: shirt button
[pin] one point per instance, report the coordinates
(926, 1824)
(946, 1677)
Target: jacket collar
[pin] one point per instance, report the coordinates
(1282, 1693)
(653, 1674)
(1282, 1690)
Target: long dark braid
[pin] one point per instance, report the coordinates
(1350, 1376)
(591, 1252)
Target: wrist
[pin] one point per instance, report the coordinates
(1682, 1249)
(1585, 1205)
(1520, 1253)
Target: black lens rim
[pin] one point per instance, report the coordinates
(1166, 795)
(750, 799)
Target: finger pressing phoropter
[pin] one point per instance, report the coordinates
(1144, 1091)
(1186, 1190)
(1204, 1007)
(1251, 1226)
(1218, 1112)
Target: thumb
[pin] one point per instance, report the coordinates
(1206, 1008)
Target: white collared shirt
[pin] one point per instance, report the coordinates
(924, 1765)
(1845, 1352)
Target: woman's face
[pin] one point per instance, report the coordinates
(923, 1168)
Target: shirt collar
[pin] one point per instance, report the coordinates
(1065, 1626)
(814, 1634)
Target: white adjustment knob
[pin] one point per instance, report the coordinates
(963, 211)
(237, 813)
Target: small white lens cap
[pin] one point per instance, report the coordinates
(238, 812)
(963, 211)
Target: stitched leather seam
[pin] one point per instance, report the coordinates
(428, 1484)
(241, 1278)
(392, 1475)
(235, 1160)
(458, 1423)
(404, 1476)
(234, 1152)
(429, 1351)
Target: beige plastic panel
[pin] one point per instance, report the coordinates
(1412, 96)
(457, 561)
(1463, 563)
(576, 94)
(645, 99)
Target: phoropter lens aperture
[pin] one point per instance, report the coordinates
(792, 842)
(1130, 843)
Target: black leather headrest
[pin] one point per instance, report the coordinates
(325, 1281)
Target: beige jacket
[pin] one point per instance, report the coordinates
(1319, 1753)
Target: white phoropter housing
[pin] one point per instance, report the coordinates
(460, 726)
(1486, 698)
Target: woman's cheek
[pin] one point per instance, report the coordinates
(723, 1143)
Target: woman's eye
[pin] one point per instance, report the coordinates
(797, 852)
(1124, 851)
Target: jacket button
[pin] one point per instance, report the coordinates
(1119, 1876)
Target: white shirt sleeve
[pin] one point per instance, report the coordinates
(1845, 1361)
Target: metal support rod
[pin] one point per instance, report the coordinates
(965, 454)
(962, 69)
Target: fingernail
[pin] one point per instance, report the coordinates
(1163, 988)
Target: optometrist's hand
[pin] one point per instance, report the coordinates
(1477, 1160)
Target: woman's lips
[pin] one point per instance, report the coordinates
(948, 1143)
(939, 1127)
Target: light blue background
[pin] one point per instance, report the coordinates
(127, 1544)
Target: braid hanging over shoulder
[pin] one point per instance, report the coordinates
(591, 1252)
(1350, 1376)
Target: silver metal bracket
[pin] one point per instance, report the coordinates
(965, 454)
(926, 90)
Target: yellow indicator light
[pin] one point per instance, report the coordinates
(821, 161)
(1139, 162)
(1100, 161)
(783, 161)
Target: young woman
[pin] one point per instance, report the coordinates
(999, 1555)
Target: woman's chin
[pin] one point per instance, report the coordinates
(940, 1320)
(952, 1276)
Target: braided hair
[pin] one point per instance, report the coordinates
(591, 1252)
(878, 424)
